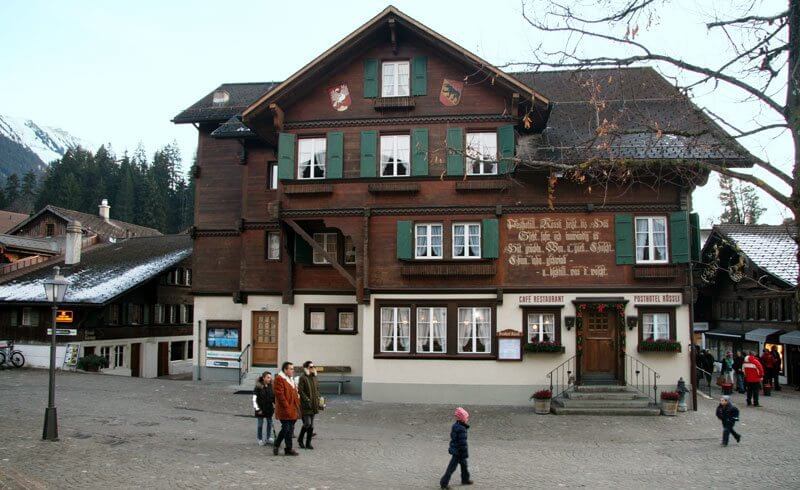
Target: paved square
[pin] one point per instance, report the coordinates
(145, 433)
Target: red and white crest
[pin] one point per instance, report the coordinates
(340, 97)
(451, 92)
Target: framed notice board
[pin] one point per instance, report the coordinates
(509, 345)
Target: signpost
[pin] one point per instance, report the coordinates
(63, 331)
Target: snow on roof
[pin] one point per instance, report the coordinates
(770, 247)
(104, 272)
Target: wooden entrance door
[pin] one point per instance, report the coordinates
(135, 358)
(599, 357)
(265, 338)
(163, 359)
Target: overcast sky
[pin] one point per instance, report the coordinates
(119, 71)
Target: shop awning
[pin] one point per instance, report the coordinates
(791, 338)
(700, 326)
(763, 335)
(730, 334)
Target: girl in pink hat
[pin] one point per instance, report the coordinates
(458, 449)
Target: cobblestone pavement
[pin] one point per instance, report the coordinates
(130, 432)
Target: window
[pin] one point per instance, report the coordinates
(786, 308)
(466, 241)
(272, 175)
(189, 313)
(395, 329)
(176, 351)
(395, 155)
(158, 314)
(431, 330)
(762, 309)
(655, 326)
(105, 352)
(347, 321)
(112, 314)
(184, 314)
(317, 321)
(395, 80)
(50, 229)
(134, 314)
(172, 311)
(651, 240)
(13, 317)
(751, 309)
(189, 349)
(30, 317)
(774, 309)
(328, 242)
(119, 356)
(428, 239)
(311, 158)
(273, 245)
(187, 277)
(481, 153)
(330, 319)
(474, 330)
(349, 251)
(541, 328)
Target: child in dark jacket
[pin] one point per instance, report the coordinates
(458, 449)
(728, 414)
(264, 406)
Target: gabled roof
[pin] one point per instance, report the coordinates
(31, 245)
(769, 247)
(233, 128)
(94, 223)
(104, 272)
(240, 96)
(351, 41)
(9, 220)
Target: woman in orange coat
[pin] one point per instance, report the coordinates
(287, 407)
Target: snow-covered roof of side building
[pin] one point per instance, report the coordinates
(104, 272)
(770, 247)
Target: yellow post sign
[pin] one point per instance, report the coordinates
(64, 316)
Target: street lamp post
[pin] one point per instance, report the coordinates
(55, 289)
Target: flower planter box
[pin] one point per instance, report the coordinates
(659, 346)
(541, 406)
(669, 407)
(544, 348)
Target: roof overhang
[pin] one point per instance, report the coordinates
(790, 338)
(763, 335)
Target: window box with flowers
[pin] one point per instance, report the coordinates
(661, 345)
(545, 347)
(657, 330)
(541, 327)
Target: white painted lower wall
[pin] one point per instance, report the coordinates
(38, 355)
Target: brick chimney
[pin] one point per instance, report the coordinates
(105, 210)
(72, 243)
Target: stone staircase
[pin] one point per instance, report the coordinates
(603, 400)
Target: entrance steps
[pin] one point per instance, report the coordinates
(603, 400)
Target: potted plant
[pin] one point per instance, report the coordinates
(92, 363)
(541, 401)
(669, 403)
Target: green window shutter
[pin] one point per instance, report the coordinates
(419, 151)
(405, 240)
(455, 151)
(490, 234)
(697, 245)
(419, 75)
(679, 237)
(623, 228)
(303, 253)
(286, 152)
(335, 155)
(506, 142)
(370, 77)
(369, 153)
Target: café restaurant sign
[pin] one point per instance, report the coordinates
(541, 299)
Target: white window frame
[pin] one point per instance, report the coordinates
(393, 89)
(187, 276)
(390, 144)
(349, 251)
(649, 320)
(30, 317)
(474, 330)
(272, 183)
(352, 315)
(276, 253)
(428, 241)
(158, 314)
(119, 356)
(467, 253)
(395, 329)
(327, 239)
(651, 247)
(315, 144)
(173, 314)
(538, 318)
(105, 352)
(476, 152)
(318, 317)
(431, 337)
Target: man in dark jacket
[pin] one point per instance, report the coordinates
(264, 406)
(458, 449)
(707, 365)
(738, 360)
(308, 387)
(776, 383)
(728, 414)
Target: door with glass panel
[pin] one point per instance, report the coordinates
(265, 338)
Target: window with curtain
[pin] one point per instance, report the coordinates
(328, 242)
(474, 330)
(651, 239)
(395, 329)
(428, 240)
(273, 245)
(30, 317)
(395, 155)
(541, 327)
(349, 250)
(655, 326)
(119, 356)
(395, 79)
(432, 329)
(311, 158)
(466, 241)
(481, 153)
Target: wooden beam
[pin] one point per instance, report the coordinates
(315, 246)
(393, 30)
(277, 116)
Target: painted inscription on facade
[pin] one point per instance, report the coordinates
(565, 247)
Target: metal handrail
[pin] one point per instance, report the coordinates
(707, 378)
(243, 366)
(646, 381)
(562, 378)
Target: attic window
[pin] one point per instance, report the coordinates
(221, 97)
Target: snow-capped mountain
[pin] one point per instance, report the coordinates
(46, 142)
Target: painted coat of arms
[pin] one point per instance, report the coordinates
(340, 97)
(451, 92)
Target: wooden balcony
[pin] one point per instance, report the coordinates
(394, 187)
(448, 269)
(300, 189)
(393, 103)
(656, 271)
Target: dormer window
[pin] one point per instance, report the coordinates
(395, 79)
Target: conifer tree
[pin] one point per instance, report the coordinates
(12, 189)
(741, 202)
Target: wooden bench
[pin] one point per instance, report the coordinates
(324, 370)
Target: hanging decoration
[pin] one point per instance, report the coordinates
(451, 92)
(340, 97)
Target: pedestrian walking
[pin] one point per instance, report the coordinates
(264, 405)
(726, 369)
(707, 365)
(776, 382)
(753, 374)
(738, 360)
(287, 408)
(768, 362)
(459, 451)
(308, 387)
(729, 415)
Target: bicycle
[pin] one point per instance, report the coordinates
(8, 353)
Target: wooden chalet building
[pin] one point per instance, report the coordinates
(371, 212)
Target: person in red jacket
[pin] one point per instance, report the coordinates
(287, 407)
(753, 374)
(768, 361)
